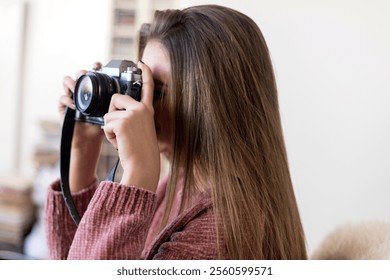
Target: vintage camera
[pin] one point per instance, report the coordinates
(94, 89)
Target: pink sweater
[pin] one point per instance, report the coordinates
(122, 222)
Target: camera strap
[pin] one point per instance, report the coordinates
(65, 151)
(66, 146)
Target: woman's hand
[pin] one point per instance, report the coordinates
(129, 126)
(86, 142)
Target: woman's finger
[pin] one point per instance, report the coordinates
(80, 73)
(122, 102)
(111, 128)
(67, 101)
(147, 86)
(110, 134)
(69, 85)
(97, 65)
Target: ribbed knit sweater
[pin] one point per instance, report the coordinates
(123, 222)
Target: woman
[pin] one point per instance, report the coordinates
(228, 194)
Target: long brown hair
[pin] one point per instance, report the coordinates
(227, 129)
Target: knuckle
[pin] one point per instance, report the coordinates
(79, 73)
(123, 125)
(143, 110)
(115, 97)
(107, 118)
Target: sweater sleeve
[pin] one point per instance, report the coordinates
(114, 225)
(60, 228)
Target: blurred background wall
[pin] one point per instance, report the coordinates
(332, 64)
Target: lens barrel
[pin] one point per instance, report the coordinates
(93, 93)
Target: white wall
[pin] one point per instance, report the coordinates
(332, 62)
(11, 17)
(62, 36)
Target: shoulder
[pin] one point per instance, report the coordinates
(192, 235)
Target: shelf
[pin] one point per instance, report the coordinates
(125, 4)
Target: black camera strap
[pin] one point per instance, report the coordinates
(66, 146)
(65, 151)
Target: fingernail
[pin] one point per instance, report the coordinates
(142, 62)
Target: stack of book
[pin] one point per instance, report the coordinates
(17, 212)
(47, 150)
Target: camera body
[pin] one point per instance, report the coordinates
(93, 90)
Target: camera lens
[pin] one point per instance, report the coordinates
(84, 94)
(93, 93)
